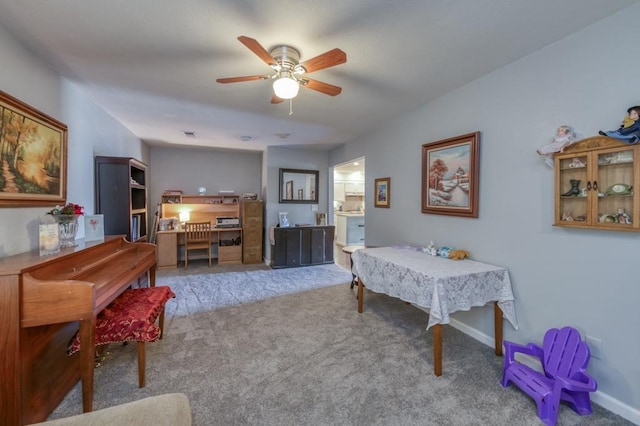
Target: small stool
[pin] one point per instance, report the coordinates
(349, 250)
(131, 317)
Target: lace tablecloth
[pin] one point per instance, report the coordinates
(441, 285)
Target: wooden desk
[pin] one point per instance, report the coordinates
(169, 243)
(441, 285)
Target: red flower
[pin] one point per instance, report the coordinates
(69, 209)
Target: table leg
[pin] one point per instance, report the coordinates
(353, 276)
(87, 361)
(360, 294)
(497, 325)
(437, 349)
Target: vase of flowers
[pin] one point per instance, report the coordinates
(67, 219)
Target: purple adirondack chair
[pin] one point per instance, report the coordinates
(564, 358)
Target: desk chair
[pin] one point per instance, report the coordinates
(197, 236)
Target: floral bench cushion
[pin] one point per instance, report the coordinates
(130, 317)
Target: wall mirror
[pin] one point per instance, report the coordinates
(299, 186)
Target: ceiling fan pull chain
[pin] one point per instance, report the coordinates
(291, 106)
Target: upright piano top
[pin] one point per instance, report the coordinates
(77, 282)
(30, 261)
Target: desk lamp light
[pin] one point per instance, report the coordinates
(184, 217)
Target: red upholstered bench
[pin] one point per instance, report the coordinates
(131, 317)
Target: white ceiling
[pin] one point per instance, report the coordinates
(351, 167)
(152, 64)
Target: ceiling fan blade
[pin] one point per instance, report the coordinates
(245, 78)
(319, 86)
(275, 99)
(328, 59)
(257, 48)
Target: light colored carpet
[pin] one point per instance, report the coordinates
(204, 292)
(302, 355)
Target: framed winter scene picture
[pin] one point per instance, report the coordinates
(450, 176)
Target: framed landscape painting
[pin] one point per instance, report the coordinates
(33, 156)
(450, 176)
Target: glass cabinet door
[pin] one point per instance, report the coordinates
(614, 186)
(573, 177)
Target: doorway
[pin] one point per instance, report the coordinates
(348, 207)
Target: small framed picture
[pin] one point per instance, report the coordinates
(321, 219)
(94, 227)
(283, 219)
(382, 192)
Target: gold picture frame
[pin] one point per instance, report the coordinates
(450, 173)
(382, 192)
(33, 155)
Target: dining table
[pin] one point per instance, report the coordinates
(436, 284)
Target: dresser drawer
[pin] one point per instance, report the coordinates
(252, 238)
(229, 254)
(252, 209)
(252, 254)
(252, 223)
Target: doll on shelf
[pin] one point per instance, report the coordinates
(563, 138)
(629, 131)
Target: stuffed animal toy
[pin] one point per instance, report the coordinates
(444, 251)
(458, 254)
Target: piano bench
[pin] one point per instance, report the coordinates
(131, 317)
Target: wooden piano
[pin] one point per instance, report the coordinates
(43, 301)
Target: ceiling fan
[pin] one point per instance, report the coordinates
(290, 73)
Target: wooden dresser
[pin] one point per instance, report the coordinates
(252, 213)
(43, 302)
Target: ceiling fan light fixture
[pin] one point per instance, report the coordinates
(286, 87)
(290, 73)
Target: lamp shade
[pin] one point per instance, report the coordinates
(286, 88)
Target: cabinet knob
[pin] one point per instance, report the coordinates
(588, 185)
(595, 185)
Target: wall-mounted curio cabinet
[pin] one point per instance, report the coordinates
(595, 185)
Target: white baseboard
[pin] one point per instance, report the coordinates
(620, 408)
